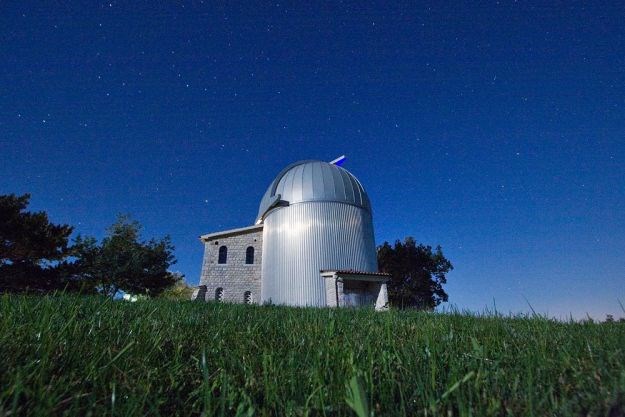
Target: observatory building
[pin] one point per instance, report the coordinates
(312, 244)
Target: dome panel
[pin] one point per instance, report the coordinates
(328, 182)
(337, 181)
(313, 181)
(286, 186)
(349, 187)
(319, 188)
(358, 191)
(296, 173)
(307, 183)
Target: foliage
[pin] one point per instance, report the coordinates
(98, 356)
(32, 249)
(179, 291)
(417, 274)
(356, 398)
(35, 256)
(123, 262)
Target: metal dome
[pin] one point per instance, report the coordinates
(311, 180)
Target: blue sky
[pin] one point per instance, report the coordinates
(495, 130)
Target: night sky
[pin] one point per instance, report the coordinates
(496, 131)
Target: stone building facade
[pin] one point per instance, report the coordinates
(232, 272)
(314, 216)
(231, 269)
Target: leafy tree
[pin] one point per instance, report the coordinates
(32, 249)
(417, 274)
(179, 291)
(122, 262)
(83, 271)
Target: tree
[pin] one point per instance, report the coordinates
(179, 291)
(122, 262)
(417, 274)
(32, 249)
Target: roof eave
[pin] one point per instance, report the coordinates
(231, 232)
(355, 275)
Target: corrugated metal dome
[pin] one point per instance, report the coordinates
(311, 180)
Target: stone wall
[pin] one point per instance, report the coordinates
(235, 277)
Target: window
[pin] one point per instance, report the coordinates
(247, 297)
(249, 255)
(219, 294)
(223, 255)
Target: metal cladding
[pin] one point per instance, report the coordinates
(316, 216)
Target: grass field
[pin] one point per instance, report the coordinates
(81, 356)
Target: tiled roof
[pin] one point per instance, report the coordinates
(353, 272)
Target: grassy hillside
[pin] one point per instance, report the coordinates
(70, 355)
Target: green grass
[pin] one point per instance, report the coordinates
(81, 356)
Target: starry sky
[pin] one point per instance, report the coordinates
(496, 130)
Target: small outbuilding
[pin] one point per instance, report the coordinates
(312, 244)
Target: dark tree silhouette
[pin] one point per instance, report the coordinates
(32, 249)
(417, 274)
(123, 262)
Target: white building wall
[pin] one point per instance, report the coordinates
(235, 276)
(304, 238)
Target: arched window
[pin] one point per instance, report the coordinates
(219, 294)
(247, 297)
(223, 255)
(249, 255)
